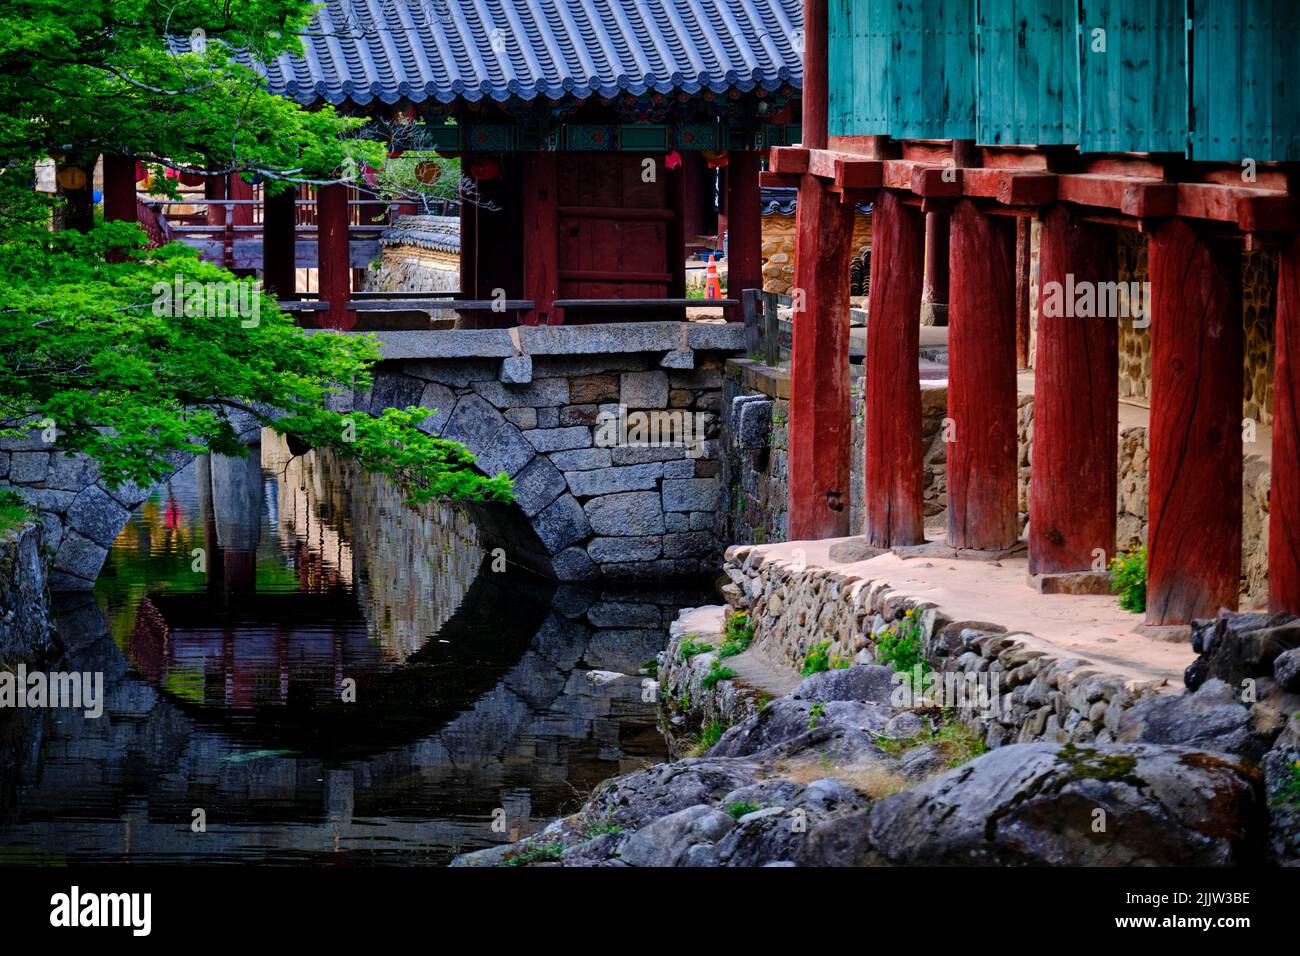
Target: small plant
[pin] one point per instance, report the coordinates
(818, 659)
(600, 829)
(958, 744)
(716, 673)
(739, 635)
(1128, 579)
(651, 668)
(13, 509)
(1290, 790)
(759, 534)
(689, 647)
(899, 647)
(684, 702)
(816, 713)
(740, 809)
(540, 853)
(709, 735)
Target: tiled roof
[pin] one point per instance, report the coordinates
(446, 50)
(783, 200)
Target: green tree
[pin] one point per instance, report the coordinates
(82, 341)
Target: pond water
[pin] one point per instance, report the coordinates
(317, 672)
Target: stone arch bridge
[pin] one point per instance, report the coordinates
(530, 402)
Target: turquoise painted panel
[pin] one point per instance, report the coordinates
(1133, 76)
(861, 33)
(1246, 81)
(1028, 72)
(932, 70)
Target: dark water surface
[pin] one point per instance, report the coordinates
(481, 690)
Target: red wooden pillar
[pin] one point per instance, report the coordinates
(935, 289)
(1284, 498)
(279, 243)
(820, 435)
(1194, 545)
(241, 214)
(744, 220)
(541, 237)
(214, 187)
(334, 275)
(982, 380)
(815, 74)
(119, 189)
(1076, 394)
(894, 485)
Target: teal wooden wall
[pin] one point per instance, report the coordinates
(1106, 75)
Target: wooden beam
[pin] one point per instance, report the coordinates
(820, 433)
(894, 477)
(1024, 229)
(541, 237)
(1284, 496)
(334, 279)
(1076, 396)
(982, 462)
(789, 160)
(1194, 560)
(745, 229)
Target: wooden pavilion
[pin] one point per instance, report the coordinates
(959, 117)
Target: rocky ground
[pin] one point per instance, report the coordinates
(832, 775)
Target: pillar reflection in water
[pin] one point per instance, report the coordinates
(236, 497)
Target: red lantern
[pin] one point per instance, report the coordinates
(716, 159)
(485, 169)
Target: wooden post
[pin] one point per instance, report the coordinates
(1076, 397)
(744, 220)
(894, 484)
(334, 271)
(934, 292)
(1284, 497)
(241, 214)
(119, 189)
(752, 302)
(1023, 226)
(214, 187)
(541, 237)
(1194, 545)
(771, 329)
(279, 243)
(982, 381)
(820, 435)
(815, 74)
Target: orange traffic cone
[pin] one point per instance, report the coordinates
(712, 287)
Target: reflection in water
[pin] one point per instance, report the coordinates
(329, 675)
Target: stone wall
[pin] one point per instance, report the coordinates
(1043, 696)
(779, 242)
(26, 632)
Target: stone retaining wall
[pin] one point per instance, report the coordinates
(1044, 697)
(26, 631)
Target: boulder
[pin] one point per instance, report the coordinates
(636, 800)
(786, 727)
(869, 682)
(1286, 670)
(1233, 647)
(1213, 718)
(1047, 804)
(682, 838)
